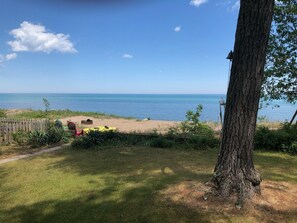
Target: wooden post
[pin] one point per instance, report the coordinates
(294, 116)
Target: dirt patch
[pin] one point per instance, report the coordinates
(277, 203)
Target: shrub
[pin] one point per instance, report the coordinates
(2, 113)
(21, 138)
(292, 149)
(98, 138)
(52, 135)
(95, 137)
(203, 142)
(282, 139)
(37, 139)
(161, 143)
(82, 143)
(290, 129)
(46, 104)
(56, 135)
(197, 135)
(192, 123)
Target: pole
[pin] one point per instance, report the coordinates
(294, 116)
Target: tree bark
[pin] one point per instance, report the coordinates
(235, 171)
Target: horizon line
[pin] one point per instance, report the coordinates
(114, 93)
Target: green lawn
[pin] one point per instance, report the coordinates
(118, 185)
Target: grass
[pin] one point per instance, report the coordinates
(8, 151)
(118, 185)
(13, 150)
(2, 113)
(57, 114)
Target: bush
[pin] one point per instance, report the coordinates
(192, 124)
(206, 139)
(98, 138)
(161, 143)
(200, 137)
(21, 138)
(56, 135)
(82, 143)
(95, 138)
(52, 135)
(37, 139)
(292, 149)
(282, 139)
(203, 142)
(2, 113)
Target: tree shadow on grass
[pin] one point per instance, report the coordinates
(116, 202)
(277, 167)
(85, 210)
(275, 215)
(132, 180)
(135, 162)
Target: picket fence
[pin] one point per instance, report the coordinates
(8, 126)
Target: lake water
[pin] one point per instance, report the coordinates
(155, 106)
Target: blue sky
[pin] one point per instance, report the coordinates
(144, 46)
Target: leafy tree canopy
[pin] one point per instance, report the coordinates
(280, 82)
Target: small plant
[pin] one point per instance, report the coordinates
(2, 113)
(37, 139)
(192, 123)
(21, 138)
(56, 135)
(52, 135)
(292, 149)
(46, 104)
(197, 134)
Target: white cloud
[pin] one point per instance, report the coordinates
(127, 56)
(197, 3)
(177, 29)
(35, 38)
(11, 56)
(7, 57)
(235, 6)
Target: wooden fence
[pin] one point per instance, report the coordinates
(8, 126)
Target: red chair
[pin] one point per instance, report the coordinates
(73, 129)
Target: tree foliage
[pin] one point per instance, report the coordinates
(46, 104)
(280, 81)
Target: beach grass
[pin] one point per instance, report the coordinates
(57, 114)
(124, 184)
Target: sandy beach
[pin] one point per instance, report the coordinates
(124, 125)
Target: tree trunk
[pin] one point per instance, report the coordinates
(235, 171)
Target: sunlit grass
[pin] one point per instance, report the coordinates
(115, 185)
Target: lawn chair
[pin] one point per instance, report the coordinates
(72, 128)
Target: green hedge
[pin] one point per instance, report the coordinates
(283, 139)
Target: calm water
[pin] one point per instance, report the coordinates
(161, 107)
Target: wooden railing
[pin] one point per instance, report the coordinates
(8, 126)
